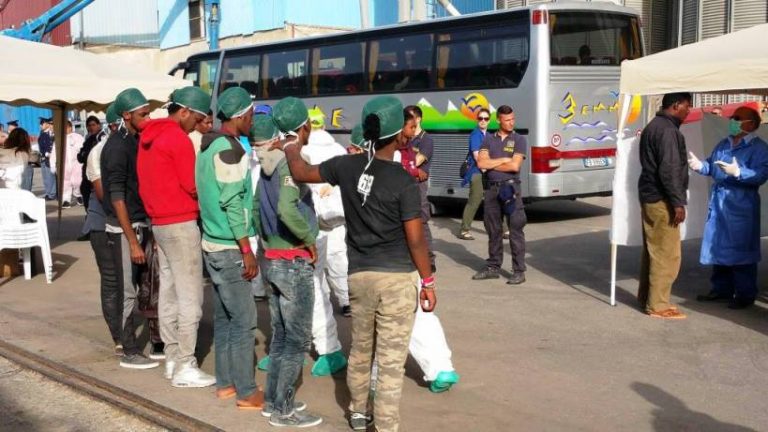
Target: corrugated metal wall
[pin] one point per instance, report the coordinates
(748, 13)
(18, 11)
(690, 21)
(119, 22)
(714, 18)
(332, 13)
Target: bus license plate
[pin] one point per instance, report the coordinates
(595, 162)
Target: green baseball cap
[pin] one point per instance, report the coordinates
(234, 102)
(112, 115)
(129, 100)
(316, 118)
(389, 110)
(290, 114)
(263, 129)
(192, 98)
(356, 137)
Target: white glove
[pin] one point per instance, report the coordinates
(693, 162)
(732, 169)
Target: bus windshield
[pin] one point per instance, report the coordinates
(593, 39)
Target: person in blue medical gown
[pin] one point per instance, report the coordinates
(738, 166)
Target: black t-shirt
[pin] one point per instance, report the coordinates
(423, 144)
(375, 235)
(497, 148)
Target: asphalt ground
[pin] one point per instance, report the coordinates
(549, 355)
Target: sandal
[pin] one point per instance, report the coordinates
(465, 235)
(670, 314)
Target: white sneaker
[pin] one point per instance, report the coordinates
(170, 365)
(189, 375)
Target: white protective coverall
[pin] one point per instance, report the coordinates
(258, 288)
(331, 266)
(428, 344)
(73, 170)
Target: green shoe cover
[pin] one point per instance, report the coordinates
(444, 381)
(263, 364)
(328, 364)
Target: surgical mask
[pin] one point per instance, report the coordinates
(734, 127)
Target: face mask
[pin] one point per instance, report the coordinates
(734, 127)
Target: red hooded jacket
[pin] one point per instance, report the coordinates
(166, 171)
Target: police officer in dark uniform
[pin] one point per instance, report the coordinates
(501, 156)
(45, 142)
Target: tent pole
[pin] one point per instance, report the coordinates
(60, 139)
(614, 253)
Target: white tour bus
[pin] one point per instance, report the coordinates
(556, 64)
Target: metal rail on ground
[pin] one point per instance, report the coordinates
(133, 404)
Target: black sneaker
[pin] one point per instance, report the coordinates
(66, 205)
(295, 419)
(157, 351)
(486, 273)
(740, 304)
(516, 279)
(714, 297)
(79, 201)
(360, 421)
(346, 310)
(137, 361)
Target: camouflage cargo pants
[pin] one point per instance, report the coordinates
(383, 309)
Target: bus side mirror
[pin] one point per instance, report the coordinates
(181, 66)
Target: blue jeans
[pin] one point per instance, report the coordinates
(27, 177)
(49, 179)
(291, 305)
(234, 322)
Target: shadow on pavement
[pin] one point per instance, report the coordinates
(582, 262)
(671, 413)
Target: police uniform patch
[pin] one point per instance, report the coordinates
(509, 147)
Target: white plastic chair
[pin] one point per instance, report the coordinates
(15, 234)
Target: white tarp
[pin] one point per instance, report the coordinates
(733, 63)
(46, 75)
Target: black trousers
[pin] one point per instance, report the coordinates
(85, 190)
(493, 219)
(111, 291)
(426, 215)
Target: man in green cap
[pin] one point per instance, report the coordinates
(95, 227)
(288, 229)
(127, 224)
(166, 167)
(357, 143)
(225, 197)
(388, 255)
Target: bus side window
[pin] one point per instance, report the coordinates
(401, 63)
(242, 71)
(488, 57)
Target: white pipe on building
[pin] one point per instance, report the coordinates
(449, 7)
(403, 10)
(364, 14)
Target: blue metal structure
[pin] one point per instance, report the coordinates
(35, 29)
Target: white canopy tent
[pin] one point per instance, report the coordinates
(64, 79)
(735, 63)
